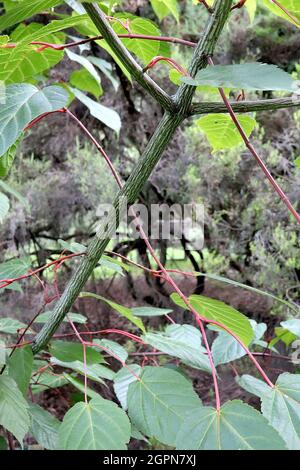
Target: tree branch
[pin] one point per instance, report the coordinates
(130, 191)
(112, 39)
(245, 106)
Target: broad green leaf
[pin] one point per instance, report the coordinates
(25, 10)
(44, 427)
(4, 206)
(24, 62)
(46, 380)
(84, 81)
(162, 8)
(144, 50)
(216, 310)
(55, 26)
(280, 405)
(112, 346)
(292, 6)
(251, 6)
(80, 386)
(13, 408)
(97, 425)
(158, 403)
(106, 68)
(292, 325)
(237, 427)
(221, 131)
(75, 317)
(150, 311)
(93, 371)
(248, 76)
(89, 67)
(225, 280)
(73, 247)
(69, 352)
(108, 116)
(175, 344)
(7, 159)
(10, 325)
(124, 311)
(20, 367)
(226, 349)
(4, 40)
(13, 269)
(122, 381)
(284, 335)
(23, 103)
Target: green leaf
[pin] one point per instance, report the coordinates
(108, 116)
(284, 335)
(106, 68)
(215, 310)
(4, 206)
(297, 162)
(124, 311)
(24, 62)
(115, 348)
(93, 371)
(280, 405)
(251, 6)
(221, 131)
(25, 10)
(75, 317)
(122, 381)
(97, 425)
(150, 311)
(7, 159)
(89, 67)
(162, 8)
(226, 349)
(23, 103)
(175, 343)
(69, 352)
(13, 408)
(44, 427)
(80, 386)
(225, 280)
(237, 427)
(249, 76)
(292, 6)
(10, 325)
(47, 380)
(20, 367)
(83, 80)
(157, 404)
(143, 49)
(13, 269)
(292, 325)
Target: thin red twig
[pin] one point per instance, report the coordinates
(259, 160)
(171, 62)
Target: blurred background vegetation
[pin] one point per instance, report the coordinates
(249, 235)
